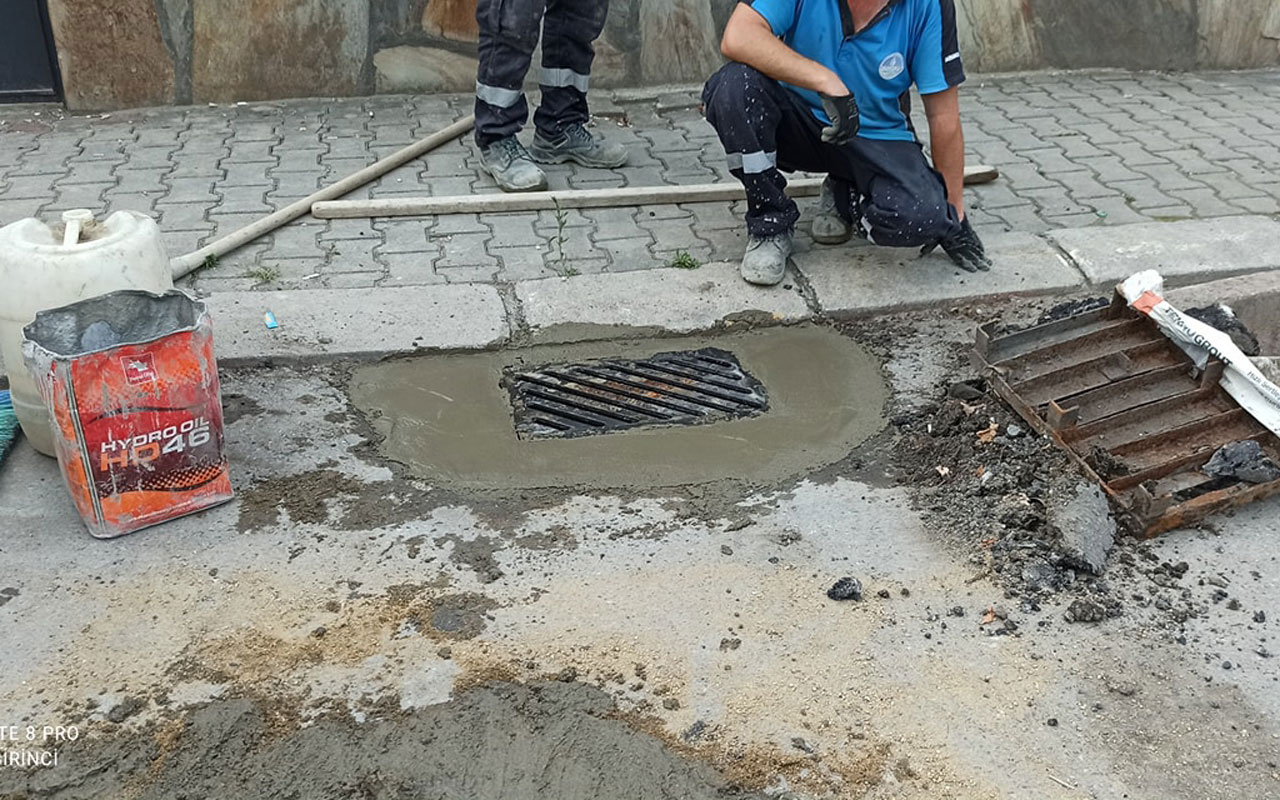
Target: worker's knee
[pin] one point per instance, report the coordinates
(515, 24)
(733, 91)
(911, 223)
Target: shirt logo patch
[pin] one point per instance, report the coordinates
(892, 66)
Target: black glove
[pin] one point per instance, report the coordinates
(843, 113)
(965, 248)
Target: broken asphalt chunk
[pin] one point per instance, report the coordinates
(1085, 610)
(1243, 461)
(846, 589)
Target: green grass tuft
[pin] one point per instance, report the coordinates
(684, 260)
(263, 274)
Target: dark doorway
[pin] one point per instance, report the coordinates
(28, 70)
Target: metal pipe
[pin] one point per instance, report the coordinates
(574, 198)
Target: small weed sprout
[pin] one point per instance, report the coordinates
(263, 274)
(683, 260)
(562, 219)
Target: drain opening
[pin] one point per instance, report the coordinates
(679, 388)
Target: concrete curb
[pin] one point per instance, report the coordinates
(862, 280)
(326, 325)
(1184, 252)
(668, 301)
(1229, 291)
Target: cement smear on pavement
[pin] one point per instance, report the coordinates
(552, 740)
(450, 421)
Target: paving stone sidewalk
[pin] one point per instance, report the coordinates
(1074, 150)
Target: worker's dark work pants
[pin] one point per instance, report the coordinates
(765, 127)
(508, 36)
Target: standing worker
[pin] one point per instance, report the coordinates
(509, 32)
(824, 86)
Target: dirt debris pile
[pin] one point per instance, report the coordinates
(1025, 515)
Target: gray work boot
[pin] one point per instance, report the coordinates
(828, 226)
(766, 259)
(509, 164)
(578, 145)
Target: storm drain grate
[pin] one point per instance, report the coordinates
(679, 388)
(1132, 409)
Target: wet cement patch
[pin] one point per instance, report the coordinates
(335, 499)
(236, 407)
(461, 616)
(560, 740)
(448, 419)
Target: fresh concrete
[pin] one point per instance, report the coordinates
(859, 280)
(672, 300)
(360, 323)
(449, 418)
(1182, 251)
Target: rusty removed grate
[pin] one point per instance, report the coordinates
(685, 387)
(1130, 407)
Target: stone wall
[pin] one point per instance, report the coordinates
(1000, 35)
(120, 53)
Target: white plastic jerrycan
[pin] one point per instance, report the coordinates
(43, 266)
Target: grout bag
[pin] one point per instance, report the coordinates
(131, 386)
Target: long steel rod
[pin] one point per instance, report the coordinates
(572, 198)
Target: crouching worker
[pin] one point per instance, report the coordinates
(823, 86)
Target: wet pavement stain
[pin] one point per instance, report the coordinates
(476, 554)
(328, 497)
(461, 616)
(236, 407)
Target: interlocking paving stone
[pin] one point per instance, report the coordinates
(1135, 146)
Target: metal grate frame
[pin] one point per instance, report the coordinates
(610, 395)
(1130, 408)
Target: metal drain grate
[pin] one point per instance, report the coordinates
(680, 388)
(1131, 409)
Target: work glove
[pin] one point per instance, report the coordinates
(843, 113)
(965, 249)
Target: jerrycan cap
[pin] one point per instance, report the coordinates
(75, 219)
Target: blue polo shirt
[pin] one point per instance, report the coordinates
(910, 41)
